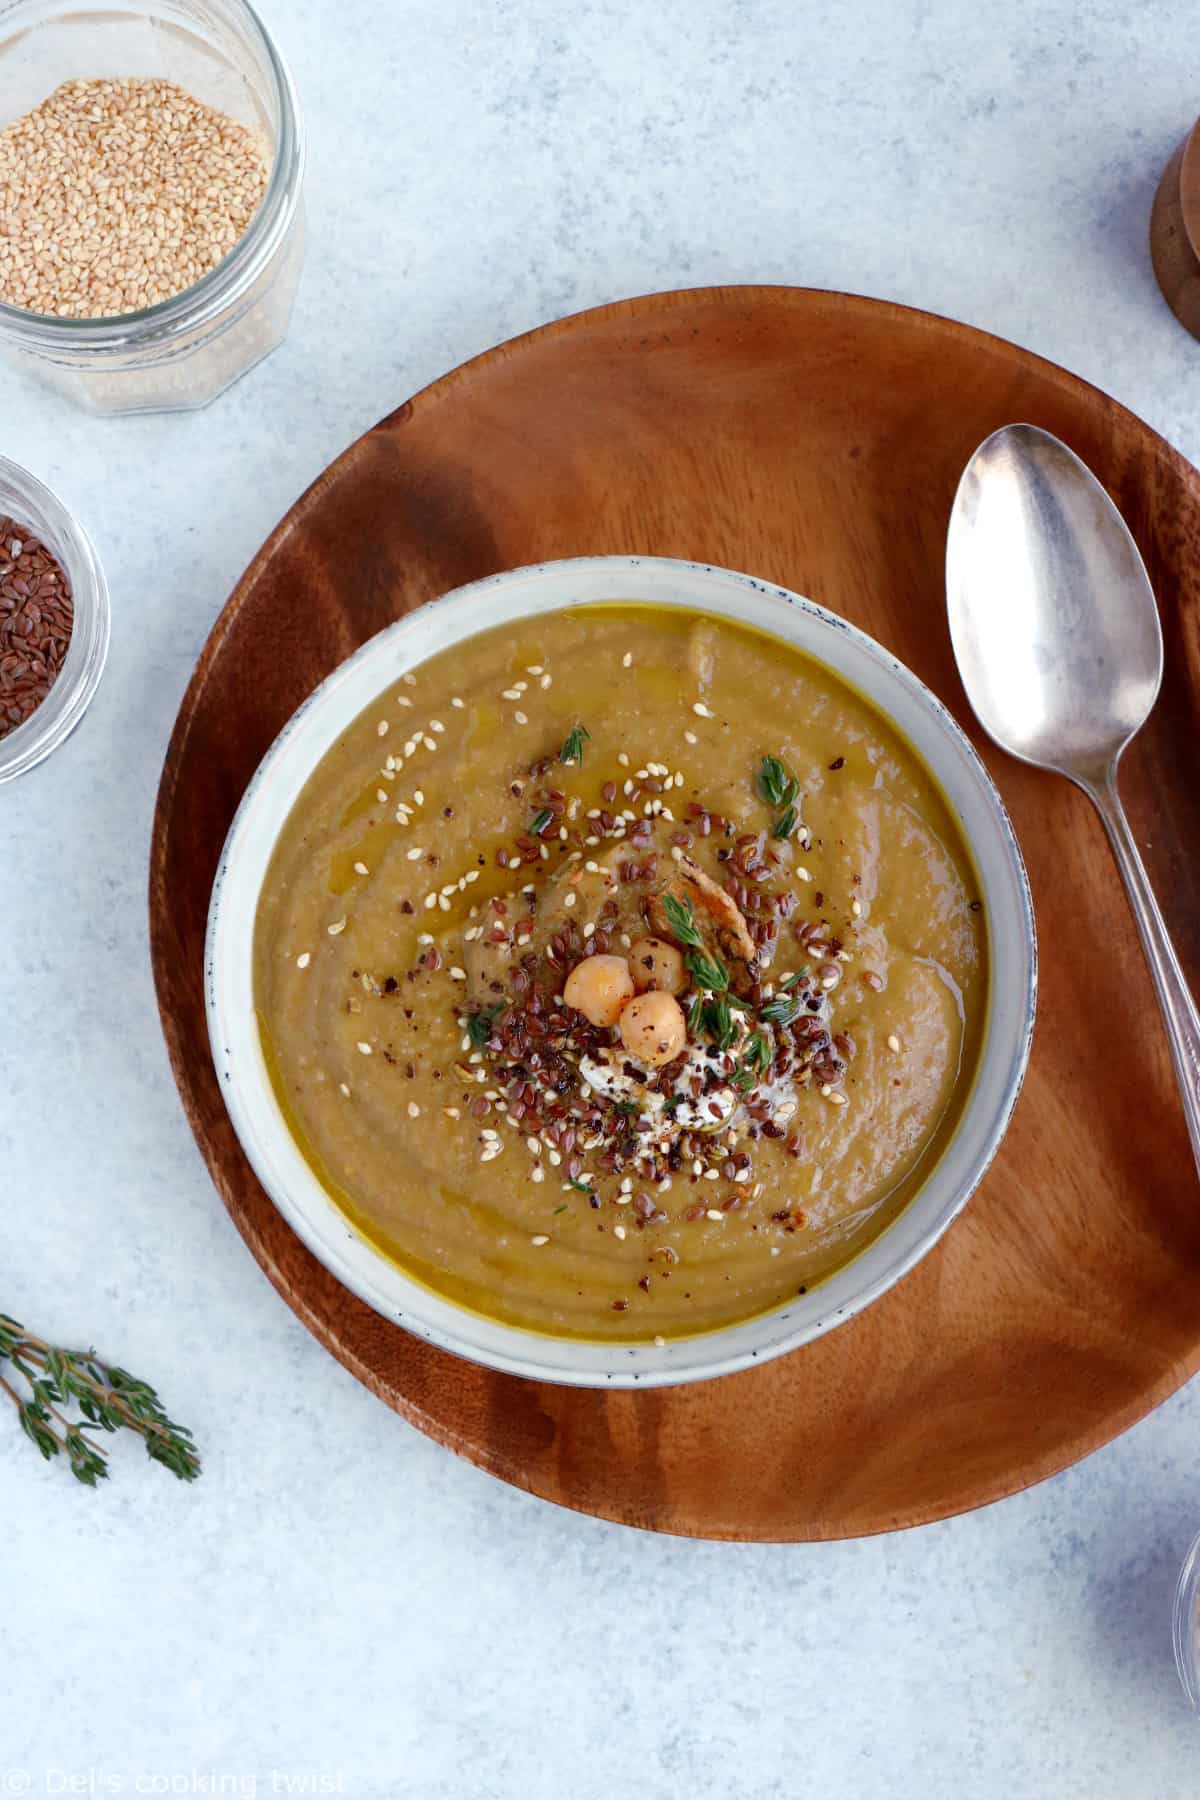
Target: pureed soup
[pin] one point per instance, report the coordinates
(619, 972)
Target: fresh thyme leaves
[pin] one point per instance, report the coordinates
(776, 783)
(539, 822)
(673, 1102)
(560, 1209)
(682, 921)
(779, 787)
(717, 1020)
(708, 971)
(784, 1009)
(695, 1014)
(789, 981)
(629, 1107)
(479, 1026)
(108, 1397)
(572, 750)
(581, 1187)
(754, 1063)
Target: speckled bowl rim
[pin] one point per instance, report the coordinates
(506, 598)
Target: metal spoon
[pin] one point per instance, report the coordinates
(1059, 647)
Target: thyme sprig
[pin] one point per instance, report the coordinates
(108, 1397)
(779, 788)
(572, 750)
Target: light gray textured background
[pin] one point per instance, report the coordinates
(338, 1595)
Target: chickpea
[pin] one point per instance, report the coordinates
(657, 964)
(598, 987)
(653, 1028)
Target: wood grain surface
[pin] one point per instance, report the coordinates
(1175, 233)
(813, 439)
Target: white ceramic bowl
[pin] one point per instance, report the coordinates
(242, 1072)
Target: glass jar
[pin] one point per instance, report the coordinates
(24, 499)
(182, 352)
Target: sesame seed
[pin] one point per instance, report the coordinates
(338, 926)
(619, 1232)
(537, 1173)
(520, 718)
(712, 1174)
(622, 759)
(659, 1343)
(360, 868)
(893, 1043)
(569, 899)
(701, 711)
(855, 909)
(419, 797)
(533, 668)
(511, 694)
(457, 974)
(403, 700)
(410, 746)
(534, 1146)
(544, 681)
(715, 1214)
(381, 796)
(538, 1241)
(774, 1249)
(436, 725)
(382, 728)
(838, 1100)
(689, 737)
(342, 1088)
(443, 903)
(830, 981)
(415, 854)
(452, 1112)
(365, 1049)
(457, 701)
(409, 679)
(303, 960)
(802, 872)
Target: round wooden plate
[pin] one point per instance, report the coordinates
(814, 439)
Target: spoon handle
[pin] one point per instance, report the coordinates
(1179, 1013)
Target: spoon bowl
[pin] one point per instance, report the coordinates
(1052, 614)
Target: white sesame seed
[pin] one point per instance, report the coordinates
(802, 872)
(715, 1214)
(415, 854)
(619, 1231)
(414, 1111)
(365, 1049)
(622, 759)
(627, 660)
(539, 1241)
(488, 1133)
(855, 909)
(452, 1112)
(701, 711)
(360, 868)
(436, 725)
(419, 797)
(511, 693)
(537, 1173)
(424, 937)
(303, 960)
(830, 981)
(689, 737)
(555, 1158)
(410, 746)
(893, 1043)
(838, 1100)
(382, 728)
(457, 974)
(712, 1174)
(342, 1088)
(443, 903)
(403, 700)
(569, 899)
(533, 668)
(338, 926)
(456, 701)
(534, 1146)
(409, 679)
(381, 796)
(774, 1249)
(520, 718)
(544, 681)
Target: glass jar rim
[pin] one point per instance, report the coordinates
(53, 721)
(208, 299)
